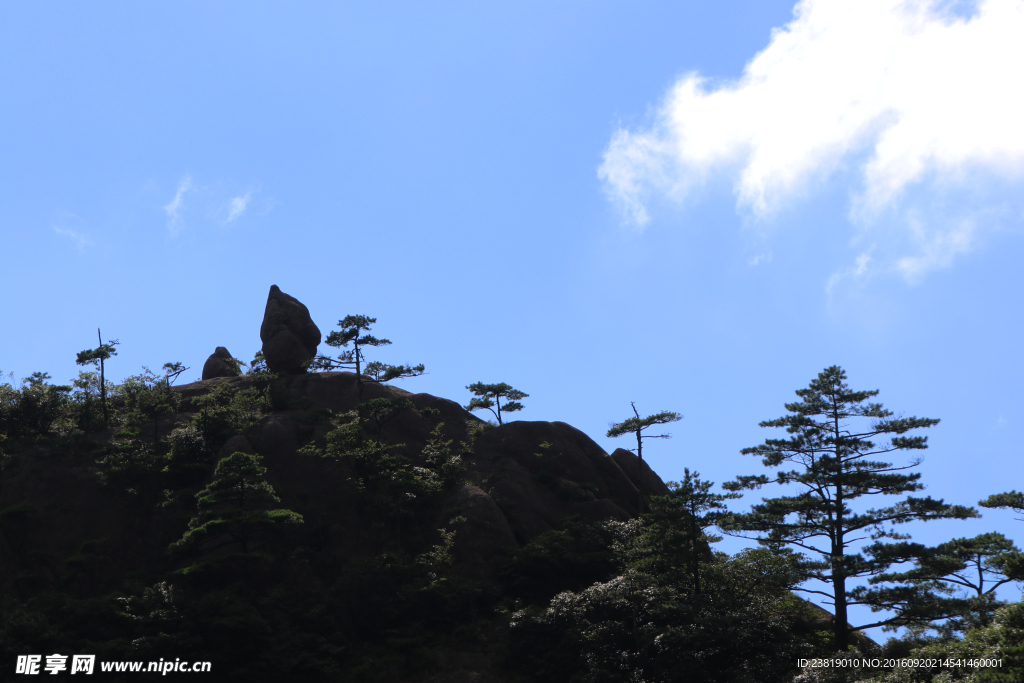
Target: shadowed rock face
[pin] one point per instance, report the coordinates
(638, 470)
(289, 335)
(524, 478)
(217, 366)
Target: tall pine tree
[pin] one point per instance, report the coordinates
(835, 436)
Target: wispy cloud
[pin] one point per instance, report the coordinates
(237, 206)
(80, 240)
(936, 248)
(173, 209)
(903, 92)
(858, 271)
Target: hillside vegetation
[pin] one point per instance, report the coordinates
(323, 526)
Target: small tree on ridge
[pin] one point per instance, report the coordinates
(489, 396)
(636, 425)
(96, 357)
(352, 327)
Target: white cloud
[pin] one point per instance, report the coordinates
(237, 206)
(173, 209)
(80, 240)
(902, 91)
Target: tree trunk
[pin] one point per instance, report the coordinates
(639, 471)
(840, 627)
(694, 557)
(103, 382)
(840, 624)
(359, 372)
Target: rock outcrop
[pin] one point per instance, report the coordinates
(219, 365)
(542, 472)
(289, 335)
(522, 479)
(638, 470)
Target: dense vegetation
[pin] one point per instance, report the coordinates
(194, 552)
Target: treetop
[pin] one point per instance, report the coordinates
(488, 396)
(358, 322)
(494, 390)
(93, 356)
(638, 424)
(350, 326)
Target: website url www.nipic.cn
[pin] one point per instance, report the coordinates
(86, 664)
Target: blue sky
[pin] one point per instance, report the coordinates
(695, 206)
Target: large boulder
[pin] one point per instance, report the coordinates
(639, 471)
(539, 473)
(219, 365)
(289, 335)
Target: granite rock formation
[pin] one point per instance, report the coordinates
(638, 470)
(219, 365)
(524, 478)
(289, 335)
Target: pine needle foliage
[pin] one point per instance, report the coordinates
(836, 437)
(488, 397)
(637, 425)
(236, 507)
(353, 331)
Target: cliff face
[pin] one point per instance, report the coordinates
(88, 527)
(523, 478)
(430, 548)
(67, 522)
